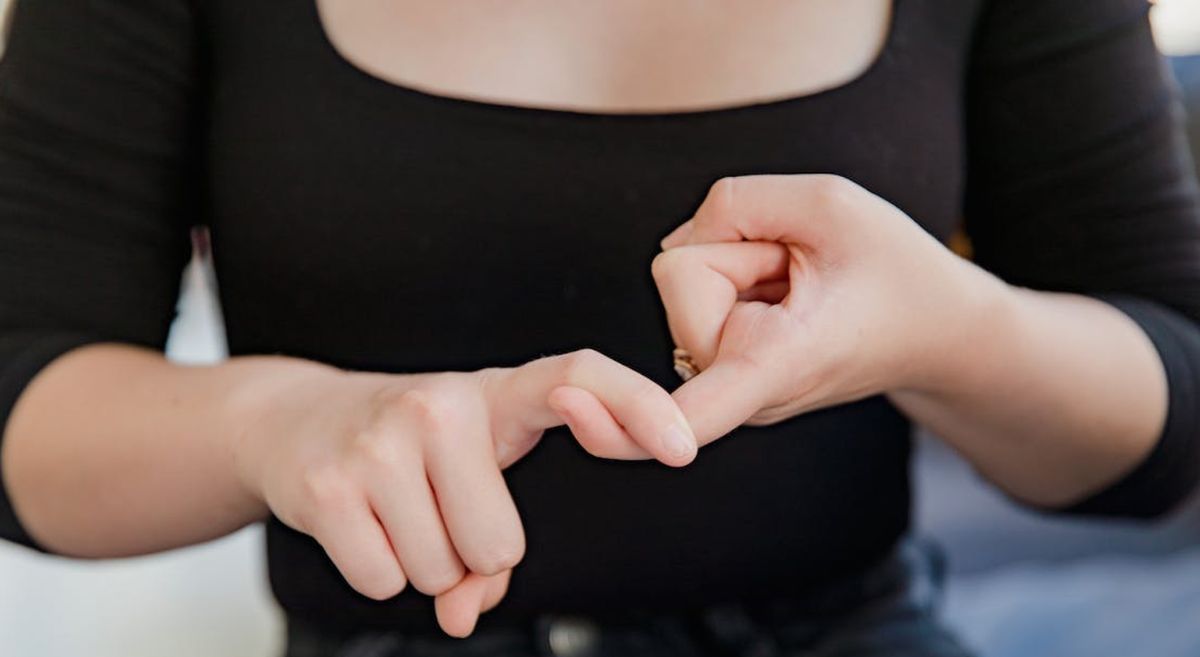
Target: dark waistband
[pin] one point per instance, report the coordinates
(913, 571)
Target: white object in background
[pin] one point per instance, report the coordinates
(1177, 26)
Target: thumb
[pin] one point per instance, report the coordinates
(722, 397)
(458, 609)
(497, 587)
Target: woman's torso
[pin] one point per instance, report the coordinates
(361, 222)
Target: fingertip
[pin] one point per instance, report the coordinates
(592, 424)
(458, 609)
(569, 404)
(456, 624)
(561, 400)
(679, 446)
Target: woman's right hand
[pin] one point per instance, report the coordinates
(399, 476)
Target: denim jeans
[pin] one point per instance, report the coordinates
(890, 610)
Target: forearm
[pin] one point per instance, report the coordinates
(114, 451)
(1051, 396)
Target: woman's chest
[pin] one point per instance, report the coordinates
(610, 55)
(336, 196)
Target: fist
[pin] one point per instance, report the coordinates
(796, 292)
(399, 477)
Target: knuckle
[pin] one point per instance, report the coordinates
(380, 588)
(303, 518)
(488, 379)
(431, 408)
(386, 404)
(379, 448)
(722, 196)
(578, 363)
(833, 192)
(325, 487)
(666, 264)
(498, 557)
(436, 581)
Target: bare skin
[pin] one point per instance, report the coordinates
(616, 56)
(114, 451)
(799, 292)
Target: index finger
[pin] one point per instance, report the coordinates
(641, 407)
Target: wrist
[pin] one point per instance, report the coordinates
(964, 342)
(266, 401)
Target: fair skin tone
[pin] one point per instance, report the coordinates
(798, 292)
(793, 292)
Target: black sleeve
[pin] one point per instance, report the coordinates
(96, 182)
(1079, 180)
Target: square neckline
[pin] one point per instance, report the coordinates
(405, 91)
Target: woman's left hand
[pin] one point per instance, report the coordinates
(796, 292)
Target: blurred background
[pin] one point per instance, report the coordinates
(1020, 584)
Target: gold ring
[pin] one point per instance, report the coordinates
(685, 365)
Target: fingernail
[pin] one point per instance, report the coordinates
(678, 442)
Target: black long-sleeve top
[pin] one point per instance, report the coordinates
(373, 226)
